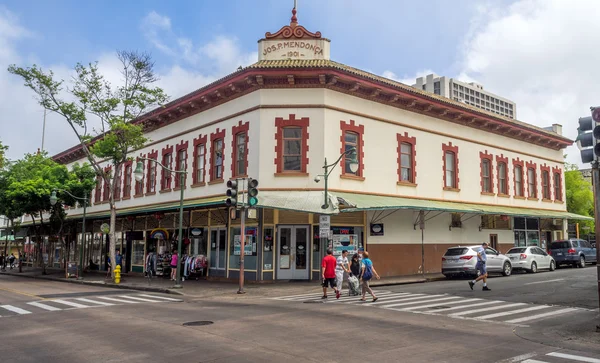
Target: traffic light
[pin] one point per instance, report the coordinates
(588, 138)
(252, 192)
(232, 193)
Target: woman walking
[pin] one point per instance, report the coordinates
(174, 260)
(366, 274)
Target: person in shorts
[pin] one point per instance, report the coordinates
(174, 260)
(481, 267)
(341, 268)
(328, 273)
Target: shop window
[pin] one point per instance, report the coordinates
(137, 257)
(456, 221)
(546, 184)
(495, 222)
(268, 243)
(292, 144)
(406, 159)
(526, 232)
(250, 249)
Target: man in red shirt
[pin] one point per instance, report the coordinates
(328, 265)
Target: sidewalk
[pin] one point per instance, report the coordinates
(203, 288)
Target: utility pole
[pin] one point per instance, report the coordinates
(596, 186)
(242, 239)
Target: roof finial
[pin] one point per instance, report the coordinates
(294, 21)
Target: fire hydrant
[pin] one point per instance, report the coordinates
(117, 274)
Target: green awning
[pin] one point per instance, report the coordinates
(362, 202)
(300, 201)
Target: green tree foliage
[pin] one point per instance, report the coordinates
(3, 160)
(92, 98)
(579, 195)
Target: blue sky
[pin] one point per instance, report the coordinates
(520, 49)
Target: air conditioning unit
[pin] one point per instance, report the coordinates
(557, 235)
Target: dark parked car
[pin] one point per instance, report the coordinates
(576, 252)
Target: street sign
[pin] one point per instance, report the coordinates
(324, 226)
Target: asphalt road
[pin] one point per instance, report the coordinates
(74, 323)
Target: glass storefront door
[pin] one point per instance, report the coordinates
(292, 252)
(218, 252)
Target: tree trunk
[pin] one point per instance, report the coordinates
(113, 218)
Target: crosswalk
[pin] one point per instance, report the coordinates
(452, 306)
(53, 305)
(561, 356)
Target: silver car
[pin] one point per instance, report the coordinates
(531, 259)
(462, 260)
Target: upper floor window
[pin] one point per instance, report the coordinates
(241, 156)
(106, 190)
(151, 176)
(181, 162)
(546, 185)
(139, 185)
(502, 179)
(557, 186)
(118, 186)
(519, 181)
(486, 178)
(166, 175)
(98, 191)
(350, 142)
(531, 183)
(450, 169)
(217, 159)
(292, 149)
(127, 181)
(406, 162)
(200, 162)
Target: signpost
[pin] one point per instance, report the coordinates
(324, 226)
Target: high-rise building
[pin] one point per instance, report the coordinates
(470, 93)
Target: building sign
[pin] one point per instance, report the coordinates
(376, 229)
(324, 226)
(345, 242)
(293, 48)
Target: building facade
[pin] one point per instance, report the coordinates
(469, 93)
(433, 172)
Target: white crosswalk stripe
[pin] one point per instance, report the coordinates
(71, 303)
(452, 306)
(555, 357)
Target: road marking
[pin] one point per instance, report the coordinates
(437, 304)
(306, 296)
(574, 357)
(518, 358)
(512, 312)
(44, 306)
(118, 300)
(539, 316)
(486, 309)
(160, 297)
(357, 299)
(136, 298)
(543, 282)
(94, 301)
(20, 293)
(489, 302)
(15, 309)
(533, 361)
(71, 303)
(405, 298)
(349, 299)
(420, 302)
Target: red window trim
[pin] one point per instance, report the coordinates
(163, 172)
(235, 130)
(502, 159)
(181, 146)
(139, 184)
(521, 163)
(127, 191)
(200, 140)
(360, 131)
(292, 121)
(546, 168)
(454, 149)
(490, 159)
(532, 165)
(214, 137)
(558, 171)
(151, 155)
(106, 189)
(413, 143)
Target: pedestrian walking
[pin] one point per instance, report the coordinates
(353, 283)
(174, 260)
(328, 273)
(11, 260)
(2, 258)
(341, 267)
(366, 274)
(481, 267)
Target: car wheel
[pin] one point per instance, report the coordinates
(533, 268)
(507, 269)
(552, 266)
(581, 261)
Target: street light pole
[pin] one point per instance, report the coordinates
(596, 186)
(139, 175)
(353, 168)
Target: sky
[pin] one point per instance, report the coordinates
(541, 54)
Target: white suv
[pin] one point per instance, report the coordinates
(462, 260)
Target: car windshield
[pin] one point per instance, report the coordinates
(559, 245)
(517, 250)
(456, 251)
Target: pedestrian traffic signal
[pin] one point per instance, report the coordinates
(252, 192)
(232, 194)
(588, 138)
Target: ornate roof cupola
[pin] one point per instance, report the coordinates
(293, 42)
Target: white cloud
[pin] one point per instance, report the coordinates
(542, 54)
(21, 116)
(407, 79)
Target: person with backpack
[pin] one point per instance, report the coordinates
(353, 285)
(366, 274)
(11, 260)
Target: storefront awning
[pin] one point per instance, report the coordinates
(300, 201)
(375, 202)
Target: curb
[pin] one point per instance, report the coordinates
(99, 284)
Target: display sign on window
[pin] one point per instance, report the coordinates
(345, 242)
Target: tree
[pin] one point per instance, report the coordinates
(579, 195)
(3, 160)
(116, 108)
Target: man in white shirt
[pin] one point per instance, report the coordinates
(341, 267)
